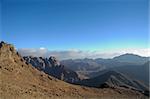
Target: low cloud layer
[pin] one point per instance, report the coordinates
(75, 54)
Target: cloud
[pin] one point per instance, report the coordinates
(75, 54)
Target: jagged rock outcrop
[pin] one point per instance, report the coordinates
(54, 61)
(53, 67)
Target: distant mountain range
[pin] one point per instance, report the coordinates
(86, 67)
(134, 71)
(93, 64)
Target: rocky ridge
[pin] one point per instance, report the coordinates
(52, 67)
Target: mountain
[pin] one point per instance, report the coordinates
(86, 66)
(83, 66)
(131, 58)
(113, 79)
(20, 80)
(140, 72)
(53, 67)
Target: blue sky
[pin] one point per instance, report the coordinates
(75, 24)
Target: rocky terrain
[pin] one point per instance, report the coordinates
(131, 65)
(53, 67)
(140, 72)
(20, 80)
(114, 79)
(136, 72)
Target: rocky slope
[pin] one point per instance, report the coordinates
(114, 79)
(52, 67)
(19, 80)
(138, 72)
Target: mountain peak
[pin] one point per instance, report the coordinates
(6, 46)
(127, 55)
(7, 51)
(130, 58)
